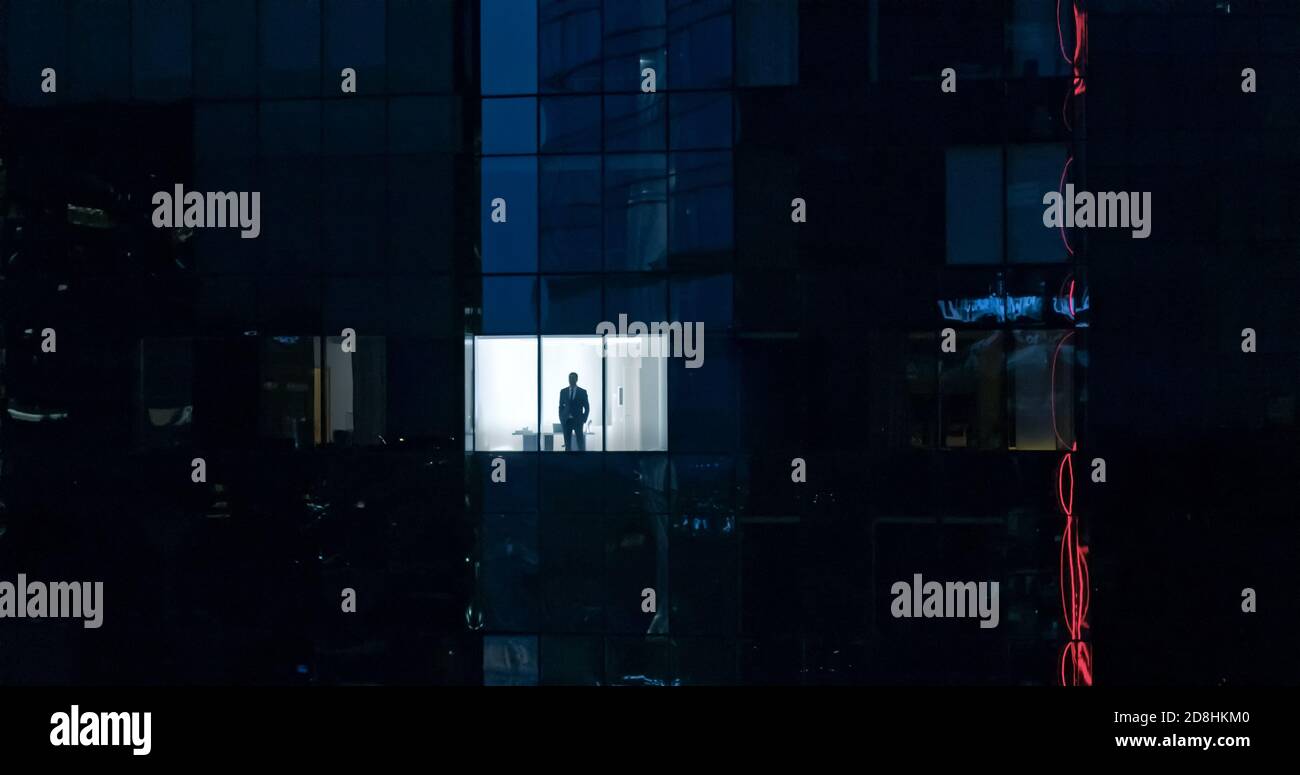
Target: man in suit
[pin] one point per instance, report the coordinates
(573, 415)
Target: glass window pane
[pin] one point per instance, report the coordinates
(570, 124)
(290, 238)
(353, 127)
(509, 214)
(922, 392)
(573, 572)
(972, 404)
(289, 390)
(570, 305)
(356, 393)
(164, 411)
(562, 356)
(225, 53)
(636, 558)
(354, 37)
(636, 378)
(99, 52)
(639, 297)
(702, 201)
(289, 42)
(509, 585)
(161, 49)
(705, 416)
(636, 212)
(570, 40)
(225, 131)
(635, 122)
(510, 305)
(704, 298)
(510, 660)
(508, 39)
(1032, 38)
(420, 216)
(36, 39)
(699, 43)
(510, 125)
(767, 33)
(349, 223)
(700, 120)
(974, 199)
(570, 213)
(423, 124)
(1033, 170)
(469, 394)
(636, 37)
(505, 393)
(289, 127)
(1041, 370)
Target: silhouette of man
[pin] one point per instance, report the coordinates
(573, 414)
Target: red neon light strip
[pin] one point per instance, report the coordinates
(1076, 655)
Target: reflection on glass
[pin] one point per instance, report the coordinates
(1042, 378)
(971, 386)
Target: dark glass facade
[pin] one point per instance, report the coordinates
(372, 381)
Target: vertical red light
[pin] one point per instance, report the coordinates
(1075, 667)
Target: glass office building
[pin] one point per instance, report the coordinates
(890, 368)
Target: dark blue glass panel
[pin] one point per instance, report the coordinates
(354, 37)
(289, 45)
(290, 218)
(99, 52)
(225, 130)
(423, 124)
(640, 297)
(703, 399)
(420, 46)
(700, 120)
(767, 45)
(510, 305)
(510, 246)
(636, 212)
(704, 298)
(510, 125)
(702, 203)
(508, 46)
(352, 214)
(160, 31)
(974, 205)
(636, 37)
(570, 45)
(290, 127)
(353, 127)
(225, 48)
(36, 39)
(1033, 170)
(508, 579)
(570, 305)
(420, 216)
(699, 43)
(570, 124)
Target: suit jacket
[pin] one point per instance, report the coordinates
(577, 409)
